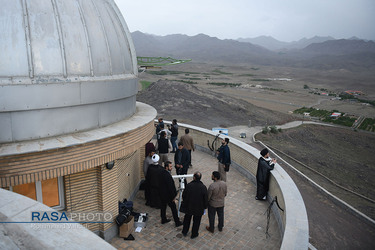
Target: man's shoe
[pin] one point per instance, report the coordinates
(179, 223)
(209, 229)
(220, 229)
(184, 234)
(165, 221)
(194, 236)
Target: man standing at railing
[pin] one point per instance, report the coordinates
(224, 159)
(188, 142)
(265, 165)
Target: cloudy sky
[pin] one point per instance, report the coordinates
(285, 20)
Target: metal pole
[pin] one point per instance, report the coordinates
(181, 188)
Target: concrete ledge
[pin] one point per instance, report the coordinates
(144, 114)
(16, 208)
(293, 221)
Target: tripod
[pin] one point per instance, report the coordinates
(181, 188)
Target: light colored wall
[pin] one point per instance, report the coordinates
(128, 175)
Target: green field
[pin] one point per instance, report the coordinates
(145, 84)
(368, 124)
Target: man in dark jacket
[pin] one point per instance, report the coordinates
(158, 126)
(168, 193)
(181, 159)
(174, 135)
(224, 159)
(163, 145)
(194, 202)
(265, 165)
(153, 182)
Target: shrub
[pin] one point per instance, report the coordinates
(274, 130)
(265, 130)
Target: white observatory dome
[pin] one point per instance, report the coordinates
(65, 66)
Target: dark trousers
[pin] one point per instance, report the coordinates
(196, 224)
(174, 145)
(163, 211)
(211, 216)
(190, 157)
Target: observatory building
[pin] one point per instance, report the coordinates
(72, 135)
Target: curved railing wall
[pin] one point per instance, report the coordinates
(293, 222)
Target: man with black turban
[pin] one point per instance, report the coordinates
(265, 165)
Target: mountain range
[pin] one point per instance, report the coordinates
(276, 45)
(316, 52)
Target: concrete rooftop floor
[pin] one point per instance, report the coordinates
(245, 218)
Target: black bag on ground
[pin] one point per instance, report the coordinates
(125, 209)
(121, 218)
(125, 204)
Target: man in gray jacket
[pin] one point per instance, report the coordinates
(216, 196)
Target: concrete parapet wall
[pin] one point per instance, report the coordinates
(15, 208)
(293, 221)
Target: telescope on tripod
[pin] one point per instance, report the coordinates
(181, 188)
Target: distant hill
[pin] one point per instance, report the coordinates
(267, 42)
(341, 47)
(271, 43)
(316, 52)
(200, 47)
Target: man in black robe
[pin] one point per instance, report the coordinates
(265, 165)
(168, 195)
(153, 182)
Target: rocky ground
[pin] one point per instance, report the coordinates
(193, 105)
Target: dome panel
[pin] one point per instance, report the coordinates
(121, 35)
(13, 51)
(74, 38)
(117, 63)
(100, 55)
(45, 41)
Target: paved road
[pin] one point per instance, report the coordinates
(250, 131)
